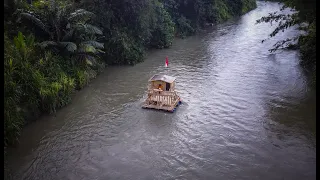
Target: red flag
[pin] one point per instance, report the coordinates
(167, 62)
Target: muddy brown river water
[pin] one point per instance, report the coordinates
(246, 114)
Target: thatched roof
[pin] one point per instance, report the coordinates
(165, 78)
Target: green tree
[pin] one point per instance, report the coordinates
(304, 17)
(67, 32)
(163, 32)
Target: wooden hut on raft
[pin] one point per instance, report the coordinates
(162, 94)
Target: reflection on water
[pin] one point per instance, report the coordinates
(246, 114)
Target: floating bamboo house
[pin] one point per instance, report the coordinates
(162, 94)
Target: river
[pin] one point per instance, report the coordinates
(246, 114)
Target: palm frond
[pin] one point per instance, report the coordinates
(68, 35)
(100, 51)
(90, 60)
(67, 7)
(35, 20)
(30, 40)
(70, 46)
(89, 29)
(68, 26)
(58, 21)
(45, 44)
(19, 41)
(80, 15)
(94, 44)
(52, 5)
(86, 48)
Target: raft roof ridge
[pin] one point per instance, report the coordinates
(165, 78)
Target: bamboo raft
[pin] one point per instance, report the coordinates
(162, 94)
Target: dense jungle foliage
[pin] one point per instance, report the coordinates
(304, 18)
(53, 48)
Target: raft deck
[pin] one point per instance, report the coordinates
(162, 100)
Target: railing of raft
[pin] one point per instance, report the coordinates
(167, 98)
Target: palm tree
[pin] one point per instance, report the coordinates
(68, 33)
